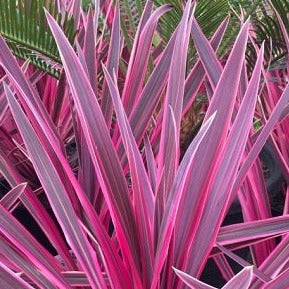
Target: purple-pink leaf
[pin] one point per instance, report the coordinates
(207, 55)
(253, 230)
(242, 280)
(172, 206)
(197, 74)
(226, 171)
(139, 59)
(142, 192)
(20, 260)
(27, 93)
(112, 64)
(11, 280)
(206, 159)
(262, 137)
(19, 236)
(191, 281)
(169, 152)
(102, 150)
(12, 196)
(57, 196)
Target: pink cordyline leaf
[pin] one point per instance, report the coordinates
(3, 104)
(76, 278)
(115, 271)
(192, 84)
(115, 268)
(89, 49)
(57, 196)
(132, 93)
(264, 278)
(280, 282)
(102, 151)
(19, 236)
(191, 281)
(12, 196)
(36, 209)
(86, 171)
(275, 262)
(194, 197)
(242, 280)
(207, 55)
(112, 64)
(172, 206)
(87, 57)
(10, 280)
(27, 93)
(139, 58)
(144, 108)
(168, 157)
(150, 160)
(142, 192)
(224, 267)
(223, 182)
(262, 137)
(24, 264)
(238, 233)
(197, 74)
(75, 7)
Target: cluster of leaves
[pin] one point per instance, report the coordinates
(121, 207)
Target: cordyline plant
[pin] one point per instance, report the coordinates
(102, 145)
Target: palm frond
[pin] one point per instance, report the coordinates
(23, 26)
(268, 29)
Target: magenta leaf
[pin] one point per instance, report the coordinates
(191, 281)
(102, 150)
(12, 196)
(57, 196)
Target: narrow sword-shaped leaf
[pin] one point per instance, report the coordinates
(191, 281)
(10, 280)
(280, 282)
(25, 265)
(196, 192)
(193, 82)
(89, 49)
(275, 262)
(139, 60)
(36, 209)
(242, 280)
(12, 196)
(229, 164)
(244, 263)
(112, 64)
(151, 165)
(253, 230)
(101, 148)
(174, 198)
(168, 157)
(197, 74)
(27, 92)
(262, 137)
(19, 236)
(57, 196)
(142, 191)
(207, 55)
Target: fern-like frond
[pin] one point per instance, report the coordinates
(23, 25)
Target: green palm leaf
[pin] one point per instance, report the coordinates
(23, 26)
